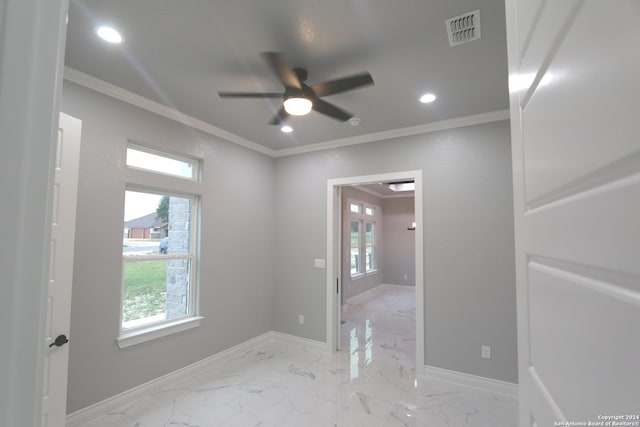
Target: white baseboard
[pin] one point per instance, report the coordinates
(396, 286)
(90, 413)
(365, 296)
(474, 381)
(292, 339)
(83, 416)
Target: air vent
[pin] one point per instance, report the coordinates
(463, 28)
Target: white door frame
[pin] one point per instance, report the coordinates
(32, 40)
(333, 255)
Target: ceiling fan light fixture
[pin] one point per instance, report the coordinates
(297, 105)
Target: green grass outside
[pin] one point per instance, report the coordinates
(145, 289)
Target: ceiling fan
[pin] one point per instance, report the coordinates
(300, 98)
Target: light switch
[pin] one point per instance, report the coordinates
(486, 352)
(319, 263)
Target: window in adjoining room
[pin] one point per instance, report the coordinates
(356, 266)
(363, 253)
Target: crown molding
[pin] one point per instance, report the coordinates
(105, 88)
(493, 116)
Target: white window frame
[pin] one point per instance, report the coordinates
(360, 271)
(374, 250)
(179, 187)
(363, 219)
(195, 163)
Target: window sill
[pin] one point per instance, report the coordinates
(128, 339)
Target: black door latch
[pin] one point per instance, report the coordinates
(60, 341)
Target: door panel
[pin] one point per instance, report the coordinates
(63, 224)
(528, 14)
(573, 319)
(605, 237)
(576, 162)
(575, 92)
(538, 43)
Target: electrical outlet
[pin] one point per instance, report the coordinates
(405, 277)
(486, 352)
(301, 319)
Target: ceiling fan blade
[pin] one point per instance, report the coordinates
(281, 69)
(342, 85)
(330, 110)
(279, 118)
(249, 95)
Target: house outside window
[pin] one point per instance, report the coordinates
(157, 283)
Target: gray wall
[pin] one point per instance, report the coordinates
(399, 243)
(352, 287)
(468, 249)
(469, 277)
(236, 266)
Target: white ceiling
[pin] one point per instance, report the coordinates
(181, 53)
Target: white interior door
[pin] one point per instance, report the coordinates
(574, 68)
(63, 225)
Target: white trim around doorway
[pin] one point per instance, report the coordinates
(333, 254)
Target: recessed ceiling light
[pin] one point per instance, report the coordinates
(427, 98)
(402, 186)
(286, 129)
(109, 34)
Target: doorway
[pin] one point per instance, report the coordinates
(334, 264)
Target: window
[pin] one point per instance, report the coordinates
(362, 218)
(369, 246)
(140, 157)
(159, 250)
(157, 266)
(356, 268)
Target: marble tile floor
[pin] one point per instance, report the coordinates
(371, 382)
